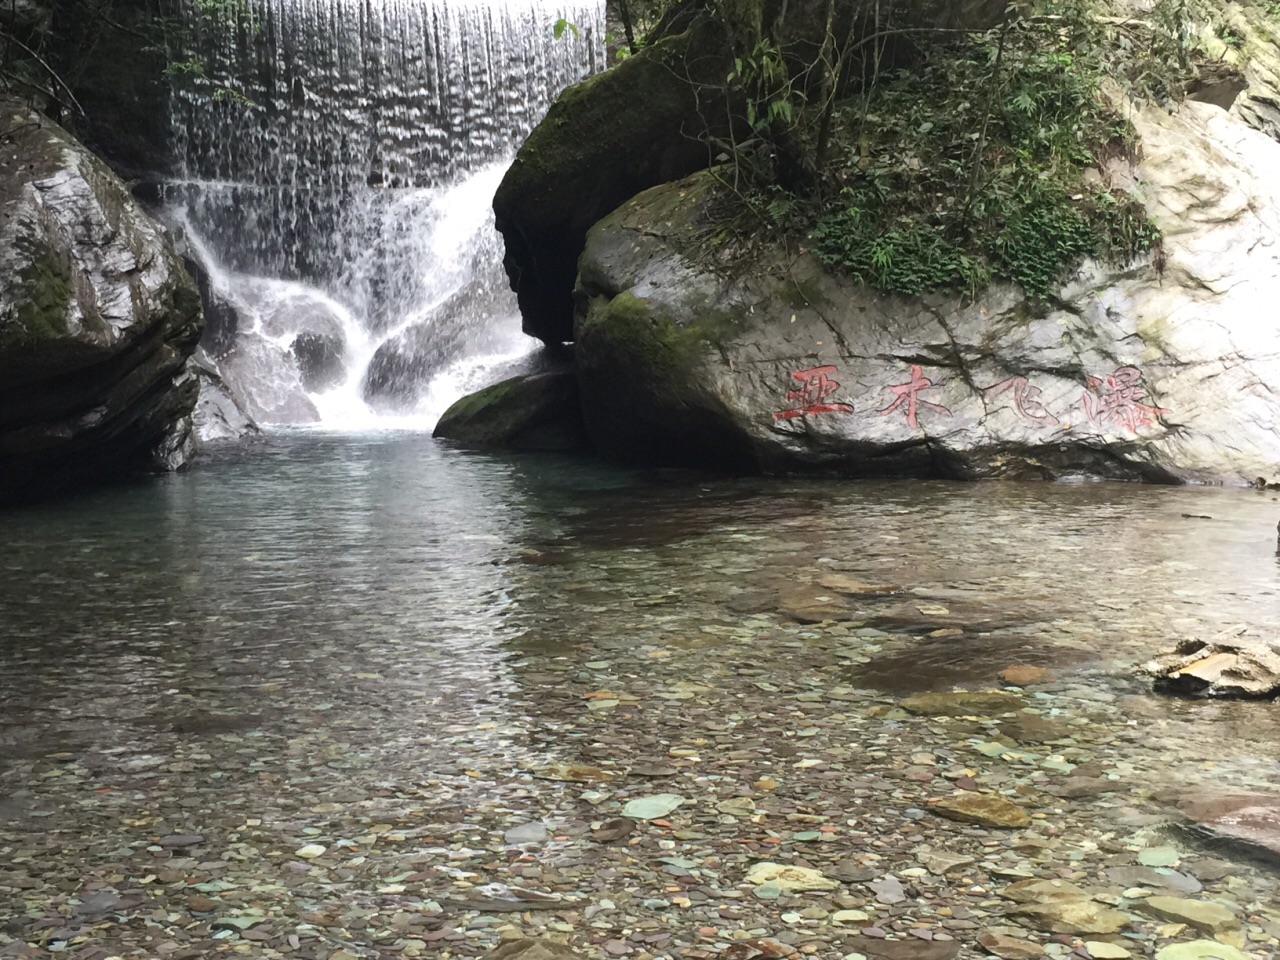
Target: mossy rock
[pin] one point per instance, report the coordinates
(603, 141)
(540, 411)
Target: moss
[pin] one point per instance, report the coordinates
(654, 346)
(42, 302)
(978, 161)
(475, 403)
(636, 94)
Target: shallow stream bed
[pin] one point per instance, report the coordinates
(335, 697)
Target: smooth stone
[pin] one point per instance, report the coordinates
(1251, 820)
(1074, 917)
(1100, 950)
(310, 851)
(531, 950)
(612, 830)
(982, 809)
(888, 890)
(963, 703)
(1024, 675)
(652, 808)
(790, 879)
(1203, 915)
(875, 949)
(1043, 891)
(940, 864)
(526, 833)
(1033, 728)
(850, 916)
(181, 840)
(1158, 857)
(1009, 948)
(1151, 877)
(1201, 950)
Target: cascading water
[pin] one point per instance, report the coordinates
(338, 159)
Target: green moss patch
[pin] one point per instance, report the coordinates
(42, 302)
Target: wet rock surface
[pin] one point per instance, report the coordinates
(266, 765)
(97, 320)
(219, 415)
(1226, 666)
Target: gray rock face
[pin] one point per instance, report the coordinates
(602, 141)
(97, 319)
(219, 415)
(1138, 372)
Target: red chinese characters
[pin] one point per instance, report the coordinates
(811, 396)
(909, 394)
(1116, 400)
(1026, 399)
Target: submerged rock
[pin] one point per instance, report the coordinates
(1075, 917)
(1154, 371)
(963, 703)
(97, 320)
(1212, 918)
(1201, 950)
(539, 411)
(791, 879)
(1227, 666)
(1247, 821)
(982, 809)
(532, 950)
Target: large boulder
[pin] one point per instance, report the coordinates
(1161, 370)
(97, 318)
(642, 123)
(1257, 53)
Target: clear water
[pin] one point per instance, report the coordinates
(308, 557)
(381, 620)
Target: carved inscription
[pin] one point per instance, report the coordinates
(816, 385)
(907, 395)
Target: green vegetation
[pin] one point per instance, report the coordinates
(986, 162)
(974, 156)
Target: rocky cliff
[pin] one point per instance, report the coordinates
(97, 319)
(1159, 371)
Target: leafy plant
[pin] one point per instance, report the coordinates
(972, 165)
(763, 78)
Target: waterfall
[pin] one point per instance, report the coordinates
(337, 160)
